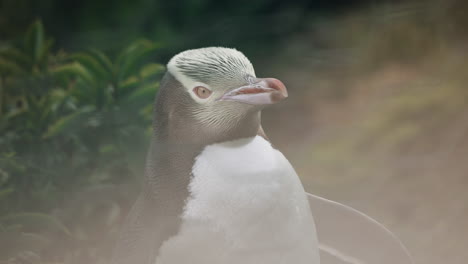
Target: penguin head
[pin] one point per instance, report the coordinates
(218, 89)
(216, 75)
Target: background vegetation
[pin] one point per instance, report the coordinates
(73, 126)
(378, 108)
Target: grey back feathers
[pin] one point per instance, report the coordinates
(154, 217)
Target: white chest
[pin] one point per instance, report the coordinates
(247, 205)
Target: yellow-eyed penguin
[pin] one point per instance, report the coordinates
(217, 192)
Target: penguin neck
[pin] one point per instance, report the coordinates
(249, 126)
(199, 135)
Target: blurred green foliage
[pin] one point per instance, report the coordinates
(254, 27)
(71, 125)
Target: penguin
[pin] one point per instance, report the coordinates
(216, 191)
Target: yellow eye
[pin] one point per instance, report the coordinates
(202, 92)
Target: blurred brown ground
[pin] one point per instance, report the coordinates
(382, 130)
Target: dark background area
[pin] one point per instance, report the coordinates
(178, 25)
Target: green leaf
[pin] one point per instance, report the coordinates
(73, 69)
(58, 98)
(151, 69)
(131, 58)
(108, 148)
(4, 176)
(34, 41)
(102, 59)
(142, 94)
(128, 86)
(36, 221)
(44, 53)
(92, 65)
(147, 112)
(9, 67)
(13, 54)
(70, 123)
(10, 154)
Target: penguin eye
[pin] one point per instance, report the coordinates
(202, 92)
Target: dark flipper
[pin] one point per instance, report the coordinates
(138, 237)
(155, 216)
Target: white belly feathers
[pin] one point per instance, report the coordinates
(246, 205)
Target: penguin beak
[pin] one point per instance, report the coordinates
(264, 91)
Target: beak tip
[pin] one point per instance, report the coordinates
(279, 86)
(279, 96)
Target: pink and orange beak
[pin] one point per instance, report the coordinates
(262, 92)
